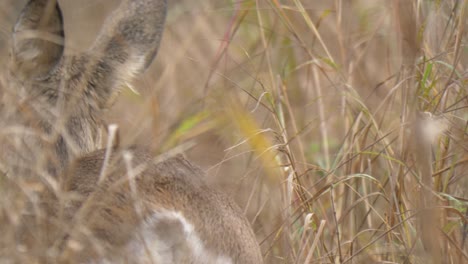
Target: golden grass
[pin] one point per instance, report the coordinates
(339, 126)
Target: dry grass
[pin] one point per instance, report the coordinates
(340, 126)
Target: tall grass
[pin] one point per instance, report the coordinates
(339, 126)
(344, 121)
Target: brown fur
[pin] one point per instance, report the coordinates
(89, 210)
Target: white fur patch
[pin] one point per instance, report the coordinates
(167, 237)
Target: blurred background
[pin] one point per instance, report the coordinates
(340, 127)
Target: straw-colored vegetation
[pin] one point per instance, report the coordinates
(341, 127)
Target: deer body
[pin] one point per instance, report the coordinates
(101, 205)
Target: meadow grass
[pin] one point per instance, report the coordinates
(339, 126)
(344, 121)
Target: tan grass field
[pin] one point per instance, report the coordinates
(340, 127)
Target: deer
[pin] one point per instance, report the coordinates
(68, 199)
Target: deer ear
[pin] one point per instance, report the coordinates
(37, 39)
